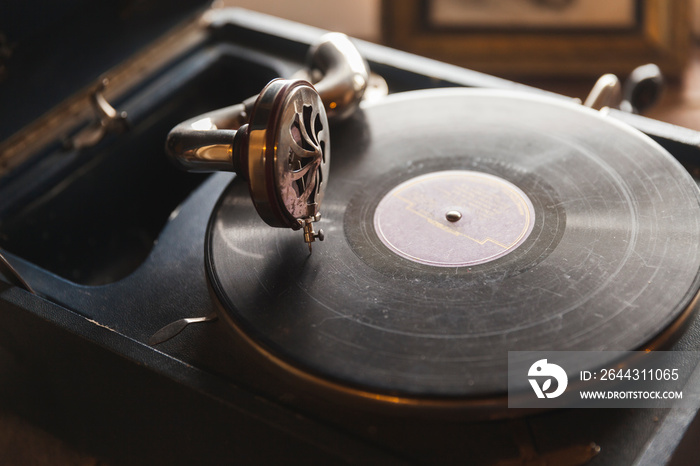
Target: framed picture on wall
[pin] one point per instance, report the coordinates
(543, 37)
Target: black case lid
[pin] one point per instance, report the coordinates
(49, 50)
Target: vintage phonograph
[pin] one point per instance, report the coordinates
(463, 216)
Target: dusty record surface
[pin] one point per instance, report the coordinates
(607, 258)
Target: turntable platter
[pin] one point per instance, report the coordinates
(460, 225)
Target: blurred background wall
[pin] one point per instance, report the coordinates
(357, 18)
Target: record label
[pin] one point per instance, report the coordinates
(454, 218)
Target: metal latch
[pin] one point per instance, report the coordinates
(107, 120)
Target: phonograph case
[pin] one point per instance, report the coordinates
(112, 243)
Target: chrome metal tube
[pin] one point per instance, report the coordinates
(339, 74)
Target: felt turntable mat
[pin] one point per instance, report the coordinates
(611, 260)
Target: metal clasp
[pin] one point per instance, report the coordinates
(107, 120)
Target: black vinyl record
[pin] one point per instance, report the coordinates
(591, 234)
